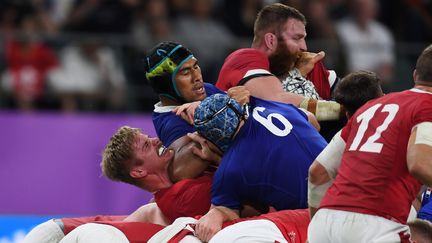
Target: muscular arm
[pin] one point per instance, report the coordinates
(211, 223)
(323, 170)
(148, 213)
(419, 153)
(186, 164)
(270, 88)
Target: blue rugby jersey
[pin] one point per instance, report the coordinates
(169, 127)
(268, 160)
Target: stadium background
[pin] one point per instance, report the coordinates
(55, 118)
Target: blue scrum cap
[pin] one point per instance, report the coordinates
(217, 119)
(161, 66)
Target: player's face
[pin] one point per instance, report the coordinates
(190, 82)
(293, 34)
(290, 44)
(151, 153)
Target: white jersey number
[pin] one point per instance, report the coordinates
(370, 145)
(267, 122)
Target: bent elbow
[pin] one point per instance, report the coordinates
(317, 174)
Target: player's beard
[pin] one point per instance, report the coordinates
(282, 60)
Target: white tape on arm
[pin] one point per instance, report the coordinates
(331, 156)
(424, 133)
(316, 193)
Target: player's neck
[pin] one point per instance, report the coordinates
(168, 101)
(423, 87)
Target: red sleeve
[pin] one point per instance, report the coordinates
(186, 198)
(320, 78)
(292, 224)
(238, 64)
(135, 232)
(71, 223)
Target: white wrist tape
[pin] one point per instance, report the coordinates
(328, 110)
(316, 193)
(424, 133)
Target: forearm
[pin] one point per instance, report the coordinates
(211, 223)
(227, 213)
(422, 167)
(317, 192)
(148, 213)
(312, 211)
(419, 153)
(323, 110)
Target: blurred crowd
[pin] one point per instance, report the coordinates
(86, 55)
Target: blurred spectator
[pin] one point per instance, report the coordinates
(369, 45)
(101, 16)
(28, 61)
(239, 16)
(207, 38)
(322, 34)
(151, 25)
(90, 78)
(410, 20)
(179, 8)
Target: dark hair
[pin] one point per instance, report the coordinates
(357, 88)
(424, 65)
(272, 17)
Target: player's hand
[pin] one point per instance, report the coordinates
(208, 225)
(187, 111)
(208, 151)
(240, 93)
(306, 62)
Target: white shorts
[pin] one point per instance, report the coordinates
(261, 230)
(338, 226)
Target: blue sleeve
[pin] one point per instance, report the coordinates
(170, 127)
(426, 212)
(224, 191)
(211, 89)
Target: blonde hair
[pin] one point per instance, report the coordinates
(118, 155)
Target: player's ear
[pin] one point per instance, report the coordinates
(270, 40)
(137, 172)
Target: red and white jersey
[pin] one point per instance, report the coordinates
(287, 225)
(324, 80)
(248, 63)
(70, 224)
(242, 66)
(373, 177)
(186, 198)
(135, 232)
(292, 224)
